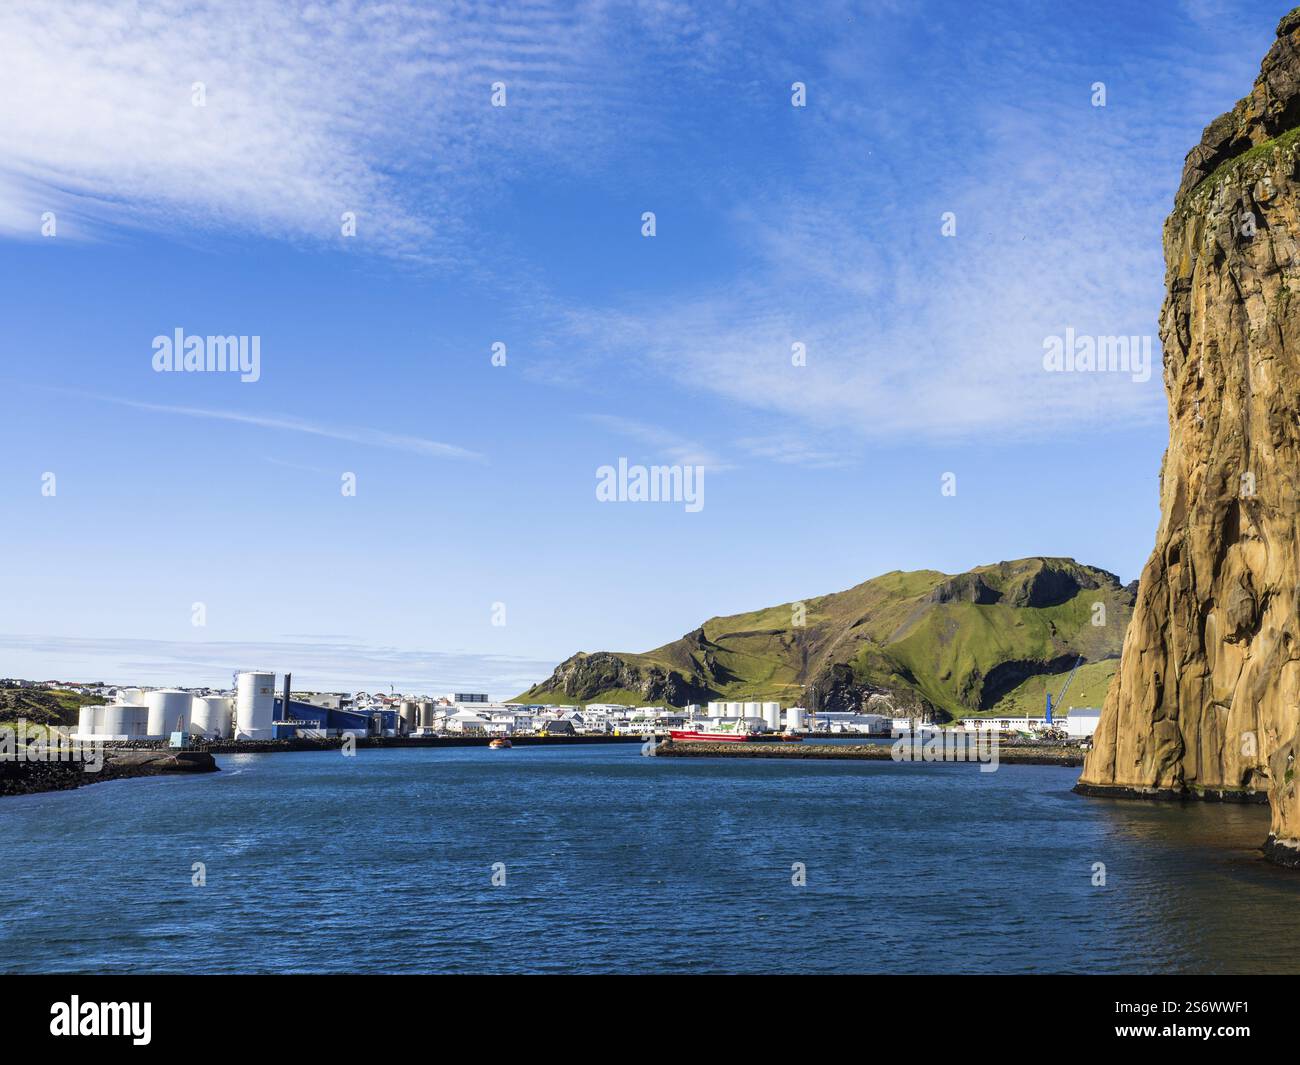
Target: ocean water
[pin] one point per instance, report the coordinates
(616, 862)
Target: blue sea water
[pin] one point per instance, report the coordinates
(615, 862)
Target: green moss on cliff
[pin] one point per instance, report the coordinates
(1232, 166)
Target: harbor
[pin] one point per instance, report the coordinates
(262, 711)
(940, 867)
(124, 731)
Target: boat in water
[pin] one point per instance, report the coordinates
(691, 736)
(500, 744)
(726, 732)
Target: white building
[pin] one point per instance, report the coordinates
(1005, 724)
(467, 723)
(1081, 722)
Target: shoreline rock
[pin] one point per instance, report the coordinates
(31, 778)
(1239, 795)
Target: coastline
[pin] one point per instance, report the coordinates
(875, 752)
(333, 743)
(1184, 794)
(31, 778)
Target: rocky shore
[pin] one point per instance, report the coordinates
(1181, 794)
(855, 752)
(27, 778)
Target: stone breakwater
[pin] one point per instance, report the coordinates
(854, 752)
(26, 778)
(333, 743)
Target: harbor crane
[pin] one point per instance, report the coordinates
(1061, 695)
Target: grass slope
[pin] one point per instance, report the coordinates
(964, 644)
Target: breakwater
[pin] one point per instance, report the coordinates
(866, 752)
(22, 777)
(333, 743)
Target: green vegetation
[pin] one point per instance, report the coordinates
(1224, 170)
(1088, 688)
(43, 706)
(977, 642)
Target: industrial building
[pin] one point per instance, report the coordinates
(260, 706)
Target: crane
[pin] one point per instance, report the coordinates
(1063, 690)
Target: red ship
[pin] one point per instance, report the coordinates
(688, 736)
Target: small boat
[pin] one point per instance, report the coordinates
(790, 737)
(500, 744)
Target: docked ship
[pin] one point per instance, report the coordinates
(725, 732)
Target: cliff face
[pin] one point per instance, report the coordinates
(1207, 696)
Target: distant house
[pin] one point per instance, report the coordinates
(467, 722)
(559, 727)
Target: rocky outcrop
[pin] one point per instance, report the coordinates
(30, 774)
(582, 676)
(1207, 697)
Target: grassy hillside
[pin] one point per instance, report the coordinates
(1087, 689)
(42, 706)
(962, 644)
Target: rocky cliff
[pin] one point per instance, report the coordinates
(923, 643)
(1207, 697)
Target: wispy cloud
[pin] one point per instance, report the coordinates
(662, 441)
(308, 110)
(324, 662)
(416, 445)
(911, 335)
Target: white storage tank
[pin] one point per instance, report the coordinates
(97, 724)
(772, 716)
(136, 719)
(753, 710)
(255, 706)
(211, 716)
(86, 721)
(794, 718)
(713, 709)
(123, 721)
(169, 711)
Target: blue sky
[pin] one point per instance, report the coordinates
(522, 224)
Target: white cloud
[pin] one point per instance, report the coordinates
(312, 109)
(661, 441)
(912, 335)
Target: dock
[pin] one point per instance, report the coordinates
(855, 752)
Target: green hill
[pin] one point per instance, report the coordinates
(41, 707)
(991, 640)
